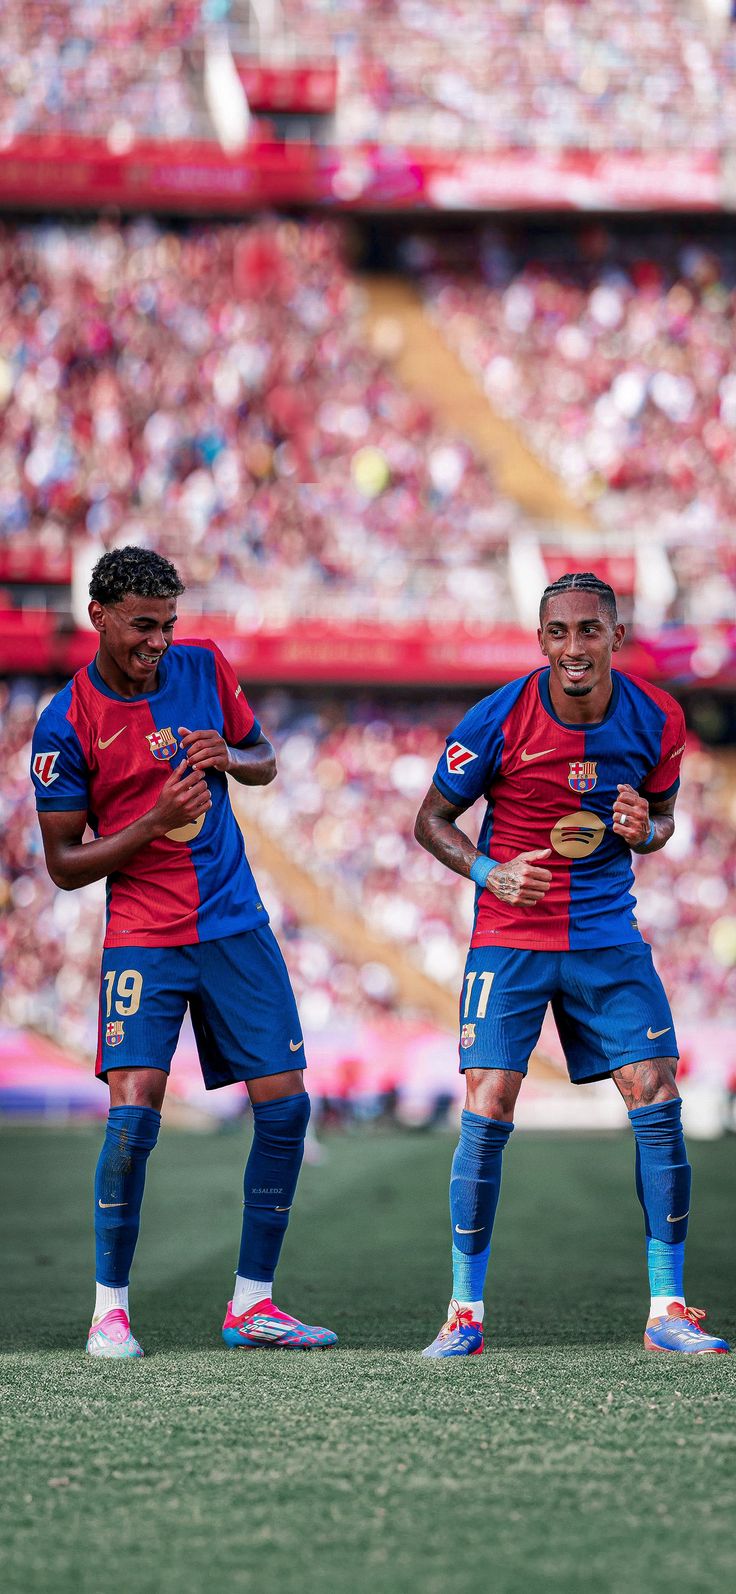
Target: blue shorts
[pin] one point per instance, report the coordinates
(609, 1006)
(244, 1015)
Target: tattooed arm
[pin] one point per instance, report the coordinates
(521, 880)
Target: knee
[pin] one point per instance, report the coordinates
(492, 1093)
(284, 1119)
(133, 1128)
(137, 1087)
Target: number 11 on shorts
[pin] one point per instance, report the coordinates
(486, 979)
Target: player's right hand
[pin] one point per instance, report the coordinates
(521, 881)
(185, 796)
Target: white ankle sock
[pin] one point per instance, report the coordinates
(247, 1292)
(476, 1307)
(108, 1297)
(659, 1303)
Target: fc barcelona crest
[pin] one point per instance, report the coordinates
(163, 744)
(114, 1032)
(467, 1036)
(582, 776)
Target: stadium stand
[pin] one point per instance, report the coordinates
(615, 358)
(463, 76)
(65, 63)
(453, 75)
(210, 392)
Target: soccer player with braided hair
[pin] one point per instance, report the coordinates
(139, 746)
(579, 765)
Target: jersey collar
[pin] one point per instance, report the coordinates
(140, 697)
(544, 694)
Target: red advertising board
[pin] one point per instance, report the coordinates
(196, 176)
(320, 651)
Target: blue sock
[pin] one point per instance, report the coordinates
(271, 1173)
(663, 1188)
(475, 1183)
(666, 1268)
(131, 1134)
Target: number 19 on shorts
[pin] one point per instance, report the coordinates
(123, 991)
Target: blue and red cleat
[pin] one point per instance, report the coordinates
(264, 1327)
(680, 1331)
(459, 1336)
(110, 1337)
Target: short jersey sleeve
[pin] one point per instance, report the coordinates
(240, 726)
(58, 770)
(473, 753)
(664, 779)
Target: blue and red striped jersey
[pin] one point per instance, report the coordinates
(110, 756)
(552, 784)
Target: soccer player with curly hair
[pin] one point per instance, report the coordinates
(138, 746)
(579, 766)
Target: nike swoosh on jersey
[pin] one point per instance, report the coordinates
(528, 758)
(678, 1220)
(102, 745)
(652, 1034)
(294, 1046)
(105, 1204)
(458, 1229)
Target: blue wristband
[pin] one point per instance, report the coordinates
(652, 834)
(481, 868)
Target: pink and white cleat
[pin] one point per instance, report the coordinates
(264, 1327)
(110, 1337)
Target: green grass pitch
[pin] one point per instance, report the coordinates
(564, 1459)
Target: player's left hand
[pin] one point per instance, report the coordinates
(631, 816)
(204, 749)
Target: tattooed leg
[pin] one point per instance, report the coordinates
(642, 1084)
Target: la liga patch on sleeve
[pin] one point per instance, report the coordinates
(458, 757)
(43, 767)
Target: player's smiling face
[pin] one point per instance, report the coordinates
(578, 636)
(134, 635)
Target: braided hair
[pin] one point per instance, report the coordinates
(581, 581)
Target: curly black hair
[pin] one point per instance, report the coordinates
(134, 570)
(581, 581)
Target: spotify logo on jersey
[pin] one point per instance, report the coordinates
(187, 832)
(577, 834)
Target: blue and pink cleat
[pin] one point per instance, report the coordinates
(459, 1336)
(264, 1327)
(680, 1331)
(110, 1337)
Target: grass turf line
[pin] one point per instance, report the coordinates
(565, 1458)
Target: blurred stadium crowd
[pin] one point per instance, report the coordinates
(209, 390)
(448, 74)
(616, 359)
(91, 67)
(351, 775)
